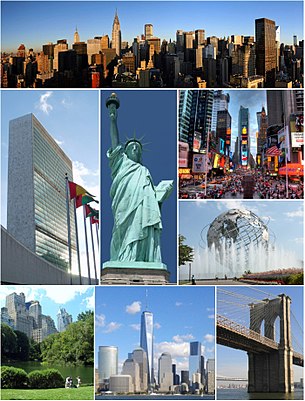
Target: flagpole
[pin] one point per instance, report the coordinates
(94, 262)
(86, 240)
(98, 241)
(77, 244)
(69, 227)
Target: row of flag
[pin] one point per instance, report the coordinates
(82, 197)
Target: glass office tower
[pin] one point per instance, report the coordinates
(36, 207)
(107, 362)
(146, 342)
(194, 359)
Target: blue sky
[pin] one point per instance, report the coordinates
(181, 315)
(284, 218)
(75, 299)
(234, 363)
(151, 114)
(36, 23)
(72, 119)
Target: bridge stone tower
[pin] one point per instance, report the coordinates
(271, 371)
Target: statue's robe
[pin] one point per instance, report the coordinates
(137, 218)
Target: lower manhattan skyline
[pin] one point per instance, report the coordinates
(118, 323)
(130, 44)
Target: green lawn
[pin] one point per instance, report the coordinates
(82, 393)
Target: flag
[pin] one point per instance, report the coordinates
(91, 212)
(94, 220)
(273, 151)
(76, 190)
(84, 199)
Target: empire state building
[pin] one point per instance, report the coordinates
(116, 35)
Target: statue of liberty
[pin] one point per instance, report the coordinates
(136, 202)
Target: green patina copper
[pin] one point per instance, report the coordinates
(136, 202)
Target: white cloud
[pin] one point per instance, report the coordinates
(112, 326)
(43, 105)
(59, 143)
(296, 213)
(209, 338)
(60, 296)
(66, 103)
(136, 327)
(134, 308)
(211, 316)
(175, 349)
(100, 320)
(183, 338)
(178, 303)
(87, 178)
(157, 326)
(89, 302)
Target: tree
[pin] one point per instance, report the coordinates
(83, 316)
(35, 352)
(8, 341)
(23, 346)
(186, 253)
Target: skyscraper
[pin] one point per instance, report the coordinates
(265, 45)
(148, 31)
(18, 312)
(262, 122)
(37, 188)
(116, 35)
(220, 102)
(244, 136)
(76, 36)
(107, 362)
(63, 319)
(165, 372)
(194, 359)
(146, 342)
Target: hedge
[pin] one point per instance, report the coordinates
(49, 378)
(13, 377)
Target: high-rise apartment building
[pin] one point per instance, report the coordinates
(63, 319)
(107, 362)
(16, 309)
(165, 372)
(34, 309)
(146, 342)
(265, 45)
(37, 168)
(61, 46)
(116, 35)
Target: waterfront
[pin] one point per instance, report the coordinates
(242, 394)
(84, 372)
(156, 397)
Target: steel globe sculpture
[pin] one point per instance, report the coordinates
(238, 228)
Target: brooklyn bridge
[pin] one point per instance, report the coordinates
(264, 326)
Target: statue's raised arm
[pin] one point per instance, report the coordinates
(113, 104)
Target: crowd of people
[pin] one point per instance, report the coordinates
(264, 187)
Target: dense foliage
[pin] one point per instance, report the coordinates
(186, 253)
(72, 346)
(13, 377)
(49, 378)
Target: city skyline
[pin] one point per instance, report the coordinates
(118, 323)
(136, 14)
(75, 299)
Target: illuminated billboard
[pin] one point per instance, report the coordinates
(183, 154)
(244, 158)
(297, 130)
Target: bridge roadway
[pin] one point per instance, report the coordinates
(234, 335)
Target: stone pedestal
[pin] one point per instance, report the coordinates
(134, 273)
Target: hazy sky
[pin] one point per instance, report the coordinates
(36, 23)
(72, 119)
(75, 299)
(181, 315)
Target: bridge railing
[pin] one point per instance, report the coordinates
(245, 331)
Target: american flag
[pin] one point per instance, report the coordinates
(273, 151)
